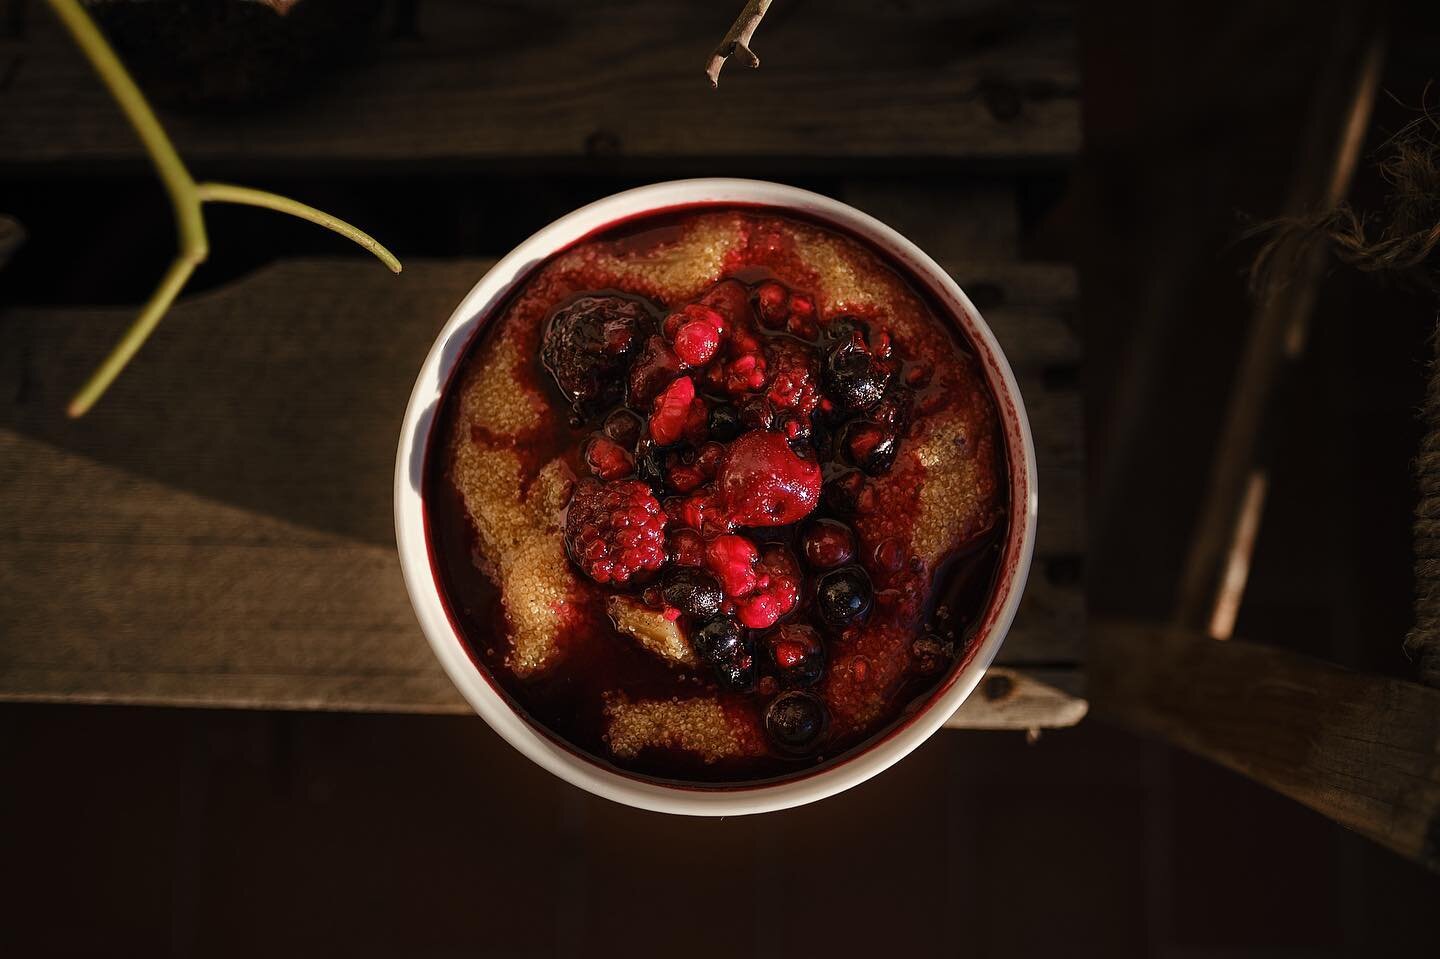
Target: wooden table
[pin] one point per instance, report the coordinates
(218, 531)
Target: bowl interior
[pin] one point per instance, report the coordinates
(466, 323)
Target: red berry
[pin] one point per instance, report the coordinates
(683, 477)
(827, 543)
(607, 459)
(794, 377)
(672, 410)
(697, 340)
(614, 530)
(777, 588)
(687, 548)
(763, 482)
(770, 302)
(732, 559)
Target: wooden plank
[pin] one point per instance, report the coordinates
(1012, 699)
(581, 83)
(218, 531)
(1362, 750)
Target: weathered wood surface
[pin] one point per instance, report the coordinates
(558, 81)
(218, 531)
(1362, 750)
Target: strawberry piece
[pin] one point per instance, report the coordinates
(763, 482)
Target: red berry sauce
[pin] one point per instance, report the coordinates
(717, 497)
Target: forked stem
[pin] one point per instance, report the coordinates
(185, 196)
(230, 193)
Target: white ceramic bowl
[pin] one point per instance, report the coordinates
(465, 323)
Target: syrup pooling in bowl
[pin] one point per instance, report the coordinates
(717, 496)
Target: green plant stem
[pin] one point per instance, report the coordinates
(186, 197)
(154, 309)
(229, 193)
(189, 223)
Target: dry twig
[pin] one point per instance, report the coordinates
(737, 40)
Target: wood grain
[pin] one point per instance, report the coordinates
(583, 83)
(219, 531)
(1362, 750)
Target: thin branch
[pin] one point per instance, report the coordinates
(229, 193)
(177, 180)
(185, 197)
(139, 331)
(737, 41)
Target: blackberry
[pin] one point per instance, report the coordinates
(855, 379)
(589, 343)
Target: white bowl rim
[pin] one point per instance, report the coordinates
(451, 345)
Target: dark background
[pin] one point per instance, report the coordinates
(146, 831)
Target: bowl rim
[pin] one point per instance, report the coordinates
(476, 310)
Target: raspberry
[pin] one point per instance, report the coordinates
(777, 588)
(608, 459)
(745, 373)
(588, 344)
(732, 559)
(672, 410)
(763, 482)
(700, 510)
(614, 530)
(794, 376)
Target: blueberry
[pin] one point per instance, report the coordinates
(737, 675)
(796, 721)
(724, 424)
(692, 591)
(844, 595)
(718, 641)
(854, 378)
(869, 445)
(796, 653)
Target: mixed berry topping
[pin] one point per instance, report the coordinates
(733, 443)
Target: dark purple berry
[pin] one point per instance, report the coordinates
(796, 721)
(724, 424)
(737, 675)
(756, 413)
(854, 378)
(692, 591)
(847, 493)
(650, 464)
(844, 595)
(719, 640)
(623, 426)
(796, 653)
(589, 343)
